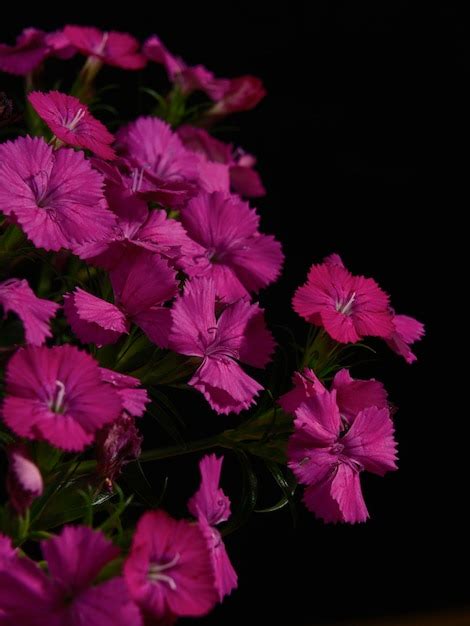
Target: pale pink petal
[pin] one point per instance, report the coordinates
(370, 441)
(354, 395)
(24, 481)
(35, 313)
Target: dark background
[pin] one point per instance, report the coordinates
(362, 145)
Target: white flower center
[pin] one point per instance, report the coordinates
(346, 307)
(155, 572)
(56, 402)
(77, 118)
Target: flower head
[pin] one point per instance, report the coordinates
(169, 571)
(28, 52)
(406, 330)
(328, 454)
(238, 334)
(56, 197)
(239, 94)
(239, 259)
(35, 313)
(72, 123)
(111, 48)
(348, 307)
(211, 506)
(57, 395)
(24, 481)
(67, 595)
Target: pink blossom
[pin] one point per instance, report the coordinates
(117, 444)
(328, 455)
(238, 334)
(35, 313)
(72, 123)
(66, 595)
(244, 180)
(133, 400)
(211, 506)
(406, 331)
(26, 55)
(238, 258)
(169, 571)
(137, 300)
(59, 45)
(57, 395)
(189, 79)
(348, 307)
(56, 197)
(24, 481)
(111, 48)
(239, 94)
(352, 395)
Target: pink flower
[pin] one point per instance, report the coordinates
(117, 444)
(26, 55)
(59, 45)
(348, 307)
(56, 197)
(244, 180)
(111, 48)
(406, 331)
(239, 94)
(137, 300)
(352, 395)
(328, 455)
(35, 313)
(238, 334)
(66, 595)
(57, 395)
(189, 79)
(24, 481)
(169, 571)
(211, 507)
(72, 123)
(237, 257)
(133, 400)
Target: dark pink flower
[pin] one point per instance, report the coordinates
(26, 55)
(239, 94)
(24, 481)
(237, 256)
(117, 444)
(352, 395)
(328, 454)
(59, 45)
(211, 507)
(137, 299)
(35, 313)
(169, 571)
(238, 334)
(244, 180)
(133, 400)
(72, 123)
(56, 197)
(111, 48)
(406, 331)
(66, 596)
(348, 307)
(57, 395)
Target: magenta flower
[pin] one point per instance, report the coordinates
(66, 596)
(57, 395)
(137, 300)
(406, 331)
(26, 55)
(56, 197)
(244, 180)
(72, 123)
(328, 454)
(169, 571)
(211, 507)
(111, 48)
(237, 257)
(239, 94)
(133, 400)
(59, 45)
(352, 395)
(188, 78)
(35, 313)
(238, 334)
(348, 307)
(24, 481)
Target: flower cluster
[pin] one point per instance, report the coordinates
(131, 267)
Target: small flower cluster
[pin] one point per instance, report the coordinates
(131, 264)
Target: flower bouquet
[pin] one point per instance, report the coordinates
(131, 261)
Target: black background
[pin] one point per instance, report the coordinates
(362, 145)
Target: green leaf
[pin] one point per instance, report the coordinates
(287, 485)
(249, 494)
